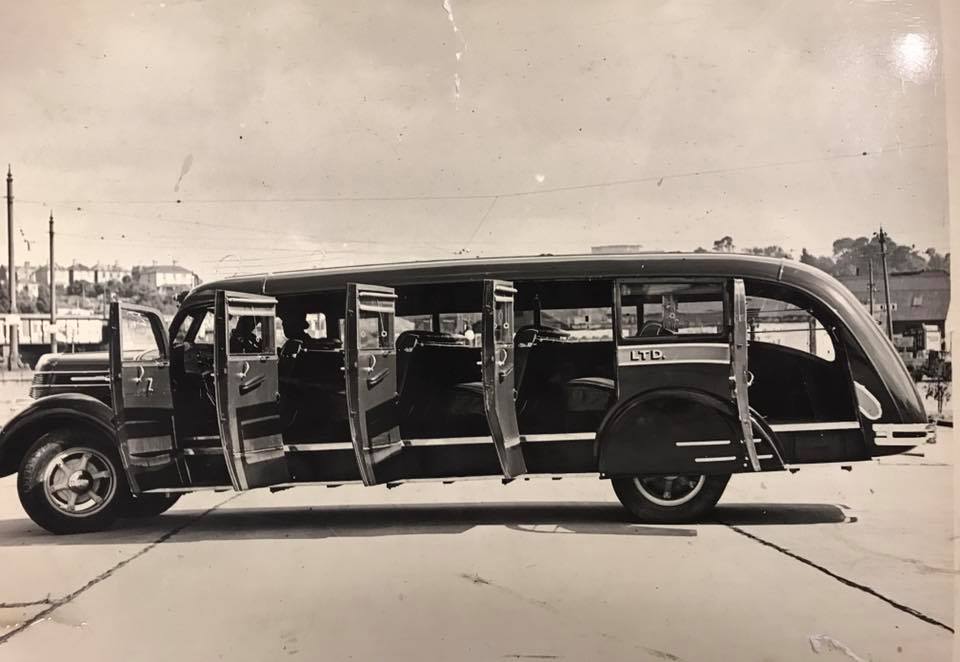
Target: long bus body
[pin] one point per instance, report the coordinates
(664, 373)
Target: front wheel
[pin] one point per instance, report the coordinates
(71, 482)
(671, 499)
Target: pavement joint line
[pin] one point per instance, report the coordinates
(29, 603)
(56, 603)
(843, 580)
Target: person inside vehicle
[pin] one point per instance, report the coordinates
(243, 340)
(295, 325)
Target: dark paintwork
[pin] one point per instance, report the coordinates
(873, 359)
(896, 382)
(248, 399)
(57, 373)
(143, 408)
(43, 415)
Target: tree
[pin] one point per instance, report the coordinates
(824, 263)
(43, 298)
(853, 255)
(937, 261)
(769, 251)
(723, 245)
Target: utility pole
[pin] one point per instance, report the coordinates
(882, 236)
(14, 330)
(870, 281)
(53, 294)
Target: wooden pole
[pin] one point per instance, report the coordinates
(14, 332)
(53, 294)
(886, 281)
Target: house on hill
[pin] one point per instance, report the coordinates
(167, 277)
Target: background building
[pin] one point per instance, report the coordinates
(166, 277)
(919, 302)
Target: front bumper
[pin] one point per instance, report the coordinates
(904, 434)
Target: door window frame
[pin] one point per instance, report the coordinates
(723, 285)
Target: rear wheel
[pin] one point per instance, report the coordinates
(72, 482)
(670, 499)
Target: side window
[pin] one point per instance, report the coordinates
(468, 325)
(205, 330)
(251, 334)
(581, 323)
(413, 323)
(778, 322)
(658, 310)
(375, 330)
(138, 338)
(181, 335)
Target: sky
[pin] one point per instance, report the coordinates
(236, 136)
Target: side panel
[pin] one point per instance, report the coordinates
(371, 376)
(499, 391)
(141, 398)
(248, 408)
(676, 356)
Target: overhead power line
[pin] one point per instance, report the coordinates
(488, 196)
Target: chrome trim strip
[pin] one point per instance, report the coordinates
(883, 433)
(203, 437)
(572, 436)
(448, 441)
(90, 378)
(800, 427)
(105, 384)
(765, 457)
(719, 442)
(624, 364)
(726, 458)
(532, 438)
(259, 419)
(212, 450)
(333, 446)
(72, 372)
(890, 428)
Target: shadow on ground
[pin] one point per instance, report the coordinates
(411, 519)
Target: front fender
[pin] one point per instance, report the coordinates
(641, 435)
(45, 414)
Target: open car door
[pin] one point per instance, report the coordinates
(499, 394)
(141, 398)
(248, 407)
(740, 376)
(371, 376)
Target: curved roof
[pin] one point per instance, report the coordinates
(506, 268)
(823, 287)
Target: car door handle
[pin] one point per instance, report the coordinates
(373, 380)
(246, 387)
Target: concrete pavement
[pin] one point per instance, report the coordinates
(821, 565)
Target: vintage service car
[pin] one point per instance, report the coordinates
(665, 373)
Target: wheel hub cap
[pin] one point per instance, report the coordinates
(79, 482)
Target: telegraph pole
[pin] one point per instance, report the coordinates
(53, 294)
(870, 281)
(882, 236)
(14, 330)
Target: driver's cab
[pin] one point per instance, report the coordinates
(202, 409)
